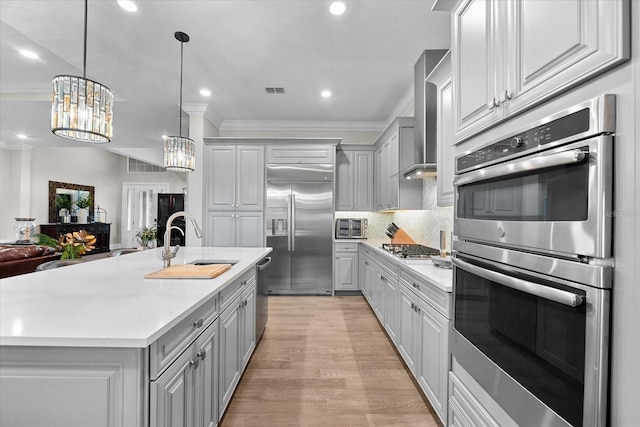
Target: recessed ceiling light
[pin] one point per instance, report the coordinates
(205, 92)
(337, 8)
(28, 54)
(164, 136)
(325, 93)
(128, 5)
(22, 136)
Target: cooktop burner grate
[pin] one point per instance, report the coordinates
(413, 251)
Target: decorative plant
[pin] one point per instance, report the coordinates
(72, 245)
(84, 202)
(63, 202)
(145, 235)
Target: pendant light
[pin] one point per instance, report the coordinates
(179, 152)
(81, 109)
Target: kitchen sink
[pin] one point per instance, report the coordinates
(214, 261)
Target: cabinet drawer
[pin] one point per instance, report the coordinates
(346, 246)
(235, 288)
(465, 405)
(389, 265)
(437, 298)
(169, 346)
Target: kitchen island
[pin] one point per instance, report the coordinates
(98, 344)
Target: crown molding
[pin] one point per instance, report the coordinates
(303, 125)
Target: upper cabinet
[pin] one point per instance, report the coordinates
(440, 77)
(509, 55)
(354, 182)
(392, 191)
(235, 177)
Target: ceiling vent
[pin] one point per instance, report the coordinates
(275, 90)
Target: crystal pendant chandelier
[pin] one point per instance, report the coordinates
(81, 109)
(180, 152)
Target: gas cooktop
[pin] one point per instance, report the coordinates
(410, 251)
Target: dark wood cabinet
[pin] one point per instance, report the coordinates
(170, 203)
(101, 230)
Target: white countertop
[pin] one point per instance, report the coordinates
(442, 278)
(108, 302)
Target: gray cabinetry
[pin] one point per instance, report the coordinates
(234, 228)
(237, 338)
(345, 267)
(508, 55)
(235, 177)
(186, 394)
(441, 78)
(354, 182)
(235, 195)
(392, 191)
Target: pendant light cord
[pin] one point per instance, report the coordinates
(84, 61)
(181, 67)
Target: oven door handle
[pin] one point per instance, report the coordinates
(553, 294)
(522, 165)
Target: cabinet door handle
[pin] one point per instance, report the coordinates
(507, 94)
(415, 285)
(413, 307)
(202, 354)
(198, 324)
(246, 302)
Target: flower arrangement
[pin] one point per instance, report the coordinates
(72, 245)
(146, 235)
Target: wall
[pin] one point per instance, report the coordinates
(93, 166)
(423, 226)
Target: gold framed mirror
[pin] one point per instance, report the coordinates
(70, 193)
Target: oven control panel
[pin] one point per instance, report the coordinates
(556, 130)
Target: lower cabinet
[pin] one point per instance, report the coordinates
(367, 275)
(391, 307)
(415, 315)
(408, 328)
(345, 267)
(186, 394)
(433, 361)
(237, 341)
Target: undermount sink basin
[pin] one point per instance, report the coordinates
(214, 261)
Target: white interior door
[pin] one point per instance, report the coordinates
(139, 208)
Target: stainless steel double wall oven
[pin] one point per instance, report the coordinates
(533, 267)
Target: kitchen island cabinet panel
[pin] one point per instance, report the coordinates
(230, 325)
(74, 387)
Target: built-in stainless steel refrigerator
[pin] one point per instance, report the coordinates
(299, 222)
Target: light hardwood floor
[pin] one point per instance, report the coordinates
(326, 361)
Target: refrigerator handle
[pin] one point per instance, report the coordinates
(293, 222)
(289, 222)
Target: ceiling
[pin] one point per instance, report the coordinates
(237, 49)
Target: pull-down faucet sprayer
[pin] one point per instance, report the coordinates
(167, 254)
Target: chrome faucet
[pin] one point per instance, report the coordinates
(167, 254)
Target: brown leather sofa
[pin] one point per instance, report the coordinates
(21, 259)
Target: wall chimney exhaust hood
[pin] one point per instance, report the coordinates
(423, 163)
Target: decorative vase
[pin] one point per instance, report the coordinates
(83, 213)
(24, 229)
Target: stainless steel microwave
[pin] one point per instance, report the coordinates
(351, 228)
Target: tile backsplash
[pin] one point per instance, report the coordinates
(423, 226)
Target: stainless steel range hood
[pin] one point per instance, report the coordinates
(423, 163)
